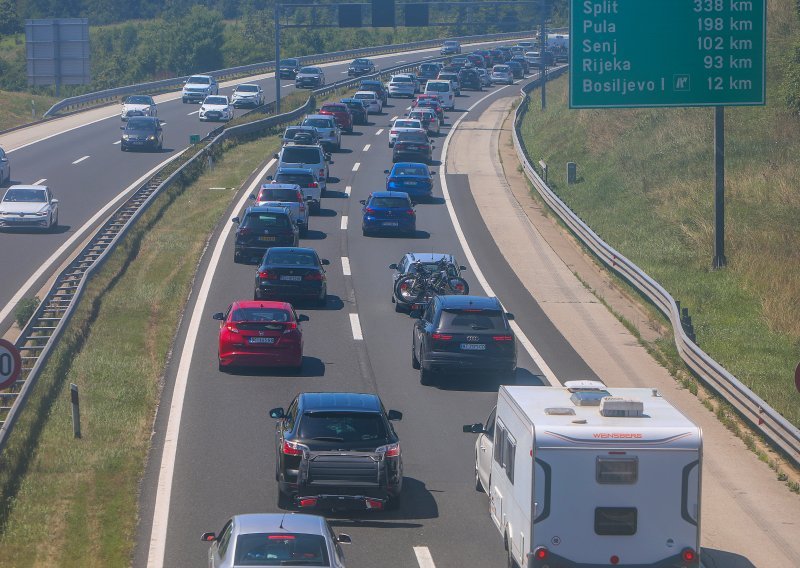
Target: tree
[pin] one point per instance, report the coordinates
(9, 20)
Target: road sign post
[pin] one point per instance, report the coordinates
(10, 364)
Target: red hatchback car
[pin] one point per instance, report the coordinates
(260, 334)
(341, 113)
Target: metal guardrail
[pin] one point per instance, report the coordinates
(40, 335)
(266, 67)
(766, 420)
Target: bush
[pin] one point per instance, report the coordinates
(25, 310)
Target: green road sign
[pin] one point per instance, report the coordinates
(648, 53)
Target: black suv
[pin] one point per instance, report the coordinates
(377, 88)
(263, 227)
(462, 332)
(337, 450)
(288, 68)
(470, 79)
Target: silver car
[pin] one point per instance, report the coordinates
(5, 168)
(309, 78)
(276, 539)
(29, 206)
(330, 135)
(401, 86)
(138, 105)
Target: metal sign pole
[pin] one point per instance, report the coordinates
(719, 187)
(542, 45)
(277, 58)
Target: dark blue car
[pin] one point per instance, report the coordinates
(413, 178)
(388, 212)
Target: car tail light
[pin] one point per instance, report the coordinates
(389, 451)
(243, 231)
(267, 275)
(689, 556)
(393, 132)
(369, 210)
(410, 212)
(503, 337)
(541, 553)
(373, 504)
(313, 276)
(230, 327)
(281, 537)
(292, 448)
(441, 336)
(308, 502)
(614, 559)
(313, 184)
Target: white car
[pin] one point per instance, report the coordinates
(401, 86)
(198, 87)
(247, 95)
(216, 108)
(502, 74)
(428, 119)
(29, 206)
(533, 58)
(371, 101)
(5, 168)
(138, 105)
(403, 125)
(486, 80)
(444, 90)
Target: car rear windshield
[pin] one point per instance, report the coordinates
(389, 202)
(300, 179)
(258, 221)
(401, 79)
(199, 80)
(295, 155)
(418, 137)
(278, 194)
(26, 196)
(428, 68)
(281, 549)
(500, 68)
(342, 426)
(410, 171)
(292, 258)
(247, 88)
(365, 96)
(407, 124)
(472, 320)
(293, 131)
(260, 314)
(216, 101)
(289, 62)
(318, 122)
(433, 267)
(438, 87)
(419, 115)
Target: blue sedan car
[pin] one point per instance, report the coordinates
(413, 178)
(388, 212)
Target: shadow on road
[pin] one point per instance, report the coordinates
(713, 558)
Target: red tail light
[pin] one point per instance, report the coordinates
(369, 210)
(313, 276)
(441, 336)
(541, 553)
(244, 231)
(230, 327)
(308, 502)
(614, 559)
(267, 275)
(290, 327)
(292, 448)
(389, 451)
(410, 212)
(689, 555)
(503, 337)
(393, 132)
(313, 184)
(373, 504)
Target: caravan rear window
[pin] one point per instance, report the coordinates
(615, 521)
(617, 470)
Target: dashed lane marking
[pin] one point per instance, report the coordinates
(379, 132)
(343, 226)
(40, 182)
(355, 324)
(366, 148)
(79, 160)
(346, 266)
(393, 118)
(193, 112)
(424, 558)
(348, 190)
(117, 142)
(356, 166)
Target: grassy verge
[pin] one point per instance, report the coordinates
(646, 186)
(69, 502)
(16, 108)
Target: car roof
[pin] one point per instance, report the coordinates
(365, 402)
(469, 302)
(430, 257)
(280, 186)
(276, 522)
(304, 250)
(265, 209)
(389, 194)
(42, 187)
(262, 304)
(295, 171)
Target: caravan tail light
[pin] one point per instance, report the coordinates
(689, 556)
(308, 502)
(614, 559)
(541, 553)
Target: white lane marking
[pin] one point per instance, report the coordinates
(401, 61)
(343, 225)
(393, 119)
(348, 190)
(79, 160)
(79, 234)
(158, 535)
(346, 266)
(286, 85)
(343, 72)
(117, 142)
(356, 166)
(195, 112)
(356, 325)
(39, 182)
(366, 148)
(424, 558)
(526, 343)
(379, 132)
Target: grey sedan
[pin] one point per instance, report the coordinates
(276, 539)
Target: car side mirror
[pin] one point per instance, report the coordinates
(330, 161)
(252, 196)
(362, 201)
(433, 174)
(325, 262)
(54, 201)
(344, 539)
(302, 317)
(509, 317)
(386, 171)
(218, 316)
(474, 428)
(275, 156)
(122, 128)
(277, 413)
(416, 314)
(270, 178)
(394, 415)
(393, 266)
(462, 268)
(236, 220)
(208, 537)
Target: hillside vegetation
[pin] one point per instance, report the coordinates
(647, 187)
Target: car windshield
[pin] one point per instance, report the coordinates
(318, 122)
(310, 70)
(260, 314)
(303, 180)
(140, 124)
(260, 221)
(451, 43)
(281, 549)
(278, 194)
(291, 258)
(401, 79)
(199, 80)
(500, 69)
(342, 426)
(472, 319)
(410, 170)
(26, 195)
(389, 202)
(419, 115)
(418, 137)
(361, 62)
(428, 68)
(215, 101)
(295, 155)
(247, 89)
(139, 100)
(438, 87)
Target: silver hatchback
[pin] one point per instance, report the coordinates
(276, 539)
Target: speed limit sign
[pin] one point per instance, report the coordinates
(10, 364)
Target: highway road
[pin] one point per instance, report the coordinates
(79, 158)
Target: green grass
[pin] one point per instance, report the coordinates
(16, 108)
(68, 502)
(646, 187)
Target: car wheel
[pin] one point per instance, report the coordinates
(54, 224)
(425, 376)
(237, 258)
(414, 360)
(323, 299)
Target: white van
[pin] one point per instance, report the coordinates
(444, 90)
(583, 475)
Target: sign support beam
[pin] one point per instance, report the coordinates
(719, 188)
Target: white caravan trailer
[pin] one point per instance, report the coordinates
(588, 476)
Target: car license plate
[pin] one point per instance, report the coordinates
(390, 224)
(411, 183)
(473, 346)
(262, 340)
(266, 238)
(292, 278)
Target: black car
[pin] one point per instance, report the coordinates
(470, 79)
(429, 71)
(506, 51)
(357, 109)
(337, 451)
(464, 333)
(288, 68)
(289, 273)
(526, 67)
(360, 67)
(142, 133)
(412, 147)
(516, 69)
(261, 228)
(376, 87)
